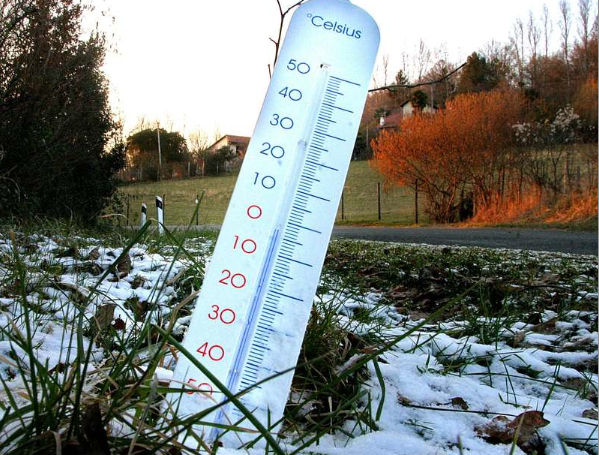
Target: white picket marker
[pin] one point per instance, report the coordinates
(250, 318)
(160, 212)
(144, 214)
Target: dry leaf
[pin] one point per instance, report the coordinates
(503, 431)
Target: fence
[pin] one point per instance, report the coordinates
(359, 204)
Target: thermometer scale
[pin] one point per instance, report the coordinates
(251, 315)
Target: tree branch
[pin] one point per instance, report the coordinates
(277, 42)
(395, 87)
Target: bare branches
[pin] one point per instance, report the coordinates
(420, 84)
(277, 42)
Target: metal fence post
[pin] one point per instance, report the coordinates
(378, 197)
(416, 202)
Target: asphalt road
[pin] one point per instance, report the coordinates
(512, 238)
(525, 239)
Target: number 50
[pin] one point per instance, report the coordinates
(300, 67)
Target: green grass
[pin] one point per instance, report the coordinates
(359, 200)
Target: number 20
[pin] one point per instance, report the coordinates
(237, 280)
(276, 151)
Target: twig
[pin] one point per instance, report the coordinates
(277, 42)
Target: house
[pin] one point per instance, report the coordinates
(408, 108)
(239, 144)
(393, 119)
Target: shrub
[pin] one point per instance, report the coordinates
(59, 144)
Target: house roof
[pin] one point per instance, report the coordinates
(242, 139)
(232, 138)
(412, 102)
(392, 120)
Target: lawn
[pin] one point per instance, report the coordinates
(360, 200)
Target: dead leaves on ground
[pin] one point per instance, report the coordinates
(522, 430)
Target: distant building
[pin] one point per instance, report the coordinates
(391, 120)
(408, 108)
(239, 144)
(394, 118)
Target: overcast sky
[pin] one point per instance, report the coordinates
(202, 64)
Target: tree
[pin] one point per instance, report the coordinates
(585, 105)
(479, 75)
(142, 150)
(466, 146)
(584, 9)
(361, 150)
(565, 25)
(440, 93)
(216, 162)
(59, 144)
(419, 99)
(400, 94)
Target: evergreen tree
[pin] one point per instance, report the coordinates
(479, 75)
(56, 128)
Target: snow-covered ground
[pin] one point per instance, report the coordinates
(442, 393)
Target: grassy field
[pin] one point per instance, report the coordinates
(359, 200)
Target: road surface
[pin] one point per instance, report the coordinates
(513, 238)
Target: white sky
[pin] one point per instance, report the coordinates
(202, 64)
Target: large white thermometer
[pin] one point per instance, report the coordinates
(252, 312)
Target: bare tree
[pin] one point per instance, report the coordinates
(534, 37)
(565, 24)
(584, 10)
(385, 69)
(517, 41)
(198, 141)
(547, 29)
(423, 59)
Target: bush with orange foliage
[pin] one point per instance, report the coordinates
(585, 104)
(467, 147)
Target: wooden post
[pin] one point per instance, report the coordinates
(378, 198)
(127, 210)
(416, 202)
(342, 206)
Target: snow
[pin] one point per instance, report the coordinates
(428, 407)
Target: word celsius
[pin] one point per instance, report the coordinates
(344, 29)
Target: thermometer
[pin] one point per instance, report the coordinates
(251, 315)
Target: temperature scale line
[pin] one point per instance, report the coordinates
(285, 253)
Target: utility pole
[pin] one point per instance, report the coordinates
(159, 153)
